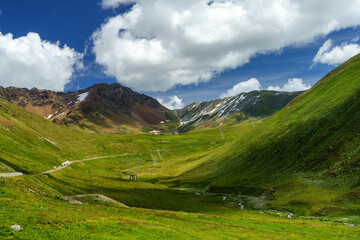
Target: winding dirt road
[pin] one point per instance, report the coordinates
(68, 163)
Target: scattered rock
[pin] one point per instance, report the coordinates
(97, 197)
(72, 200)
(268, 194)
(13, 174)
(350, 224)
(16, 228)
(290, 215)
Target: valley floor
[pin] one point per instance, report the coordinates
(42, 217)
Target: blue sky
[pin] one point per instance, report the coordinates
(74, 22)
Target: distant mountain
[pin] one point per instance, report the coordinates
(253, 104)
(100, 108)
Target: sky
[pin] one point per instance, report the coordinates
(177, 51)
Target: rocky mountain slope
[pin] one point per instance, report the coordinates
(253, 104)
(100, 108)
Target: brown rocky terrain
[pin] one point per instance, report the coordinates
(100, 108)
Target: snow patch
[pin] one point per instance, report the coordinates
(242, 97)
(82, 96)
(184, 122)
(51, 115)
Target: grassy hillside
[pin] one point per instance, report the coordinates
(29, 143)
(304, 159)
(37, 204)
(43, 217)
(308, 152)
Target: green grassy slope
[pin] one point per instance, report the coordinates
(42, 216)
(31, 144)
(308, 153)
(312, 145)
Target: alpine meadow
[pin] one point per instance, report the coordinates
(172, 120)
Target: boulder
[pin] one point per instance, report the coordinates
(16, 228)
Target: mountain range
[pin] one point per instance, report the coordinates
(114, 108)
(255, 104)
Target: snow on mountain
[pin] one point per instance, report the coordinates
(255, 104)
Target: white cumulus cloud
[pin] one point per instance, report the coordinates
(114, 3)
(174, 102)
(335, 55)
(250, 85)
(31, 62)
(292, 85)
(159, 44)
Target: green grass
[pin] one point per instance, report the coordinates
(316, 135)
(45, 217)
(304, 159)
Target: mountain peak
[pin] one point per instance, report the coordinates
(101, 107)
(257, 104)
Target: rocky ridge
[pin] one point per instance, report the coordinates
(256, 104)
(98, 107)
